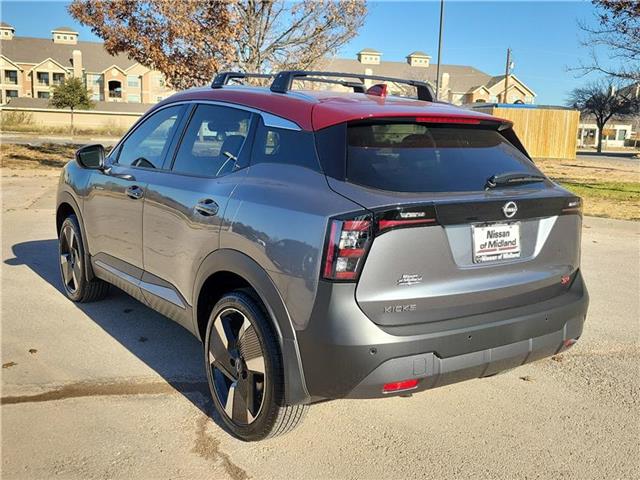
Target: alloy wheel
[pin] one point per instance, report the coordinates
(70, 259)
(237, 366)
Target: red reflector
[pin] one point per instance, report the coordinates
(384, 224)
(448, 119)
(398, 386)
(569, 342)
(565, 279)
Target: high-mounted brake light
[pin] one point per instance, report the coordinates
(379, 90)
(346, 248)
(448, 119)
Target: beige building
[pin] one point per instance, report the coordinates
(459, 84)
(29, 67)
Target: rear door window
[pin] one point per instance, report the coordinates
(411, 157)
(213, 141)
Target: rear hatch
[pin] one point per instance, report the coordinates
(461, 221)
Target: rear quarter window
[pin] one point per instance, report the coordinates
(411, 157)
(289, 147)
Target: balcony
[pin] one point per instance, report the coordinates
(115, 94)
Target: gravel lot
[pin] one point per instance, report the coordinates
(114, 390)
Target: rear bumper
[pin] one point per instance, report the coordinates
(345, 355)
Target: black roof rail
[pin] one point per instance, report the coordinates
(283, 81)
(358, 87)
(223, 78)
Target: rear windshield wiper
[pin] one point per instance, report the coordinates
(512, 178)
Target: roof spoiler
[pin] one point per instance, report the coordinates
(283, 81)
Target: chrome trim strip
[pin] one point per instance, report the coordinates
(165, 293)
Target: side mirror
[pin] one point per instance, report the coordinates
(91, 156)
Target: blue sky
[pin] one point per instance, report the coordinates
(543, 35)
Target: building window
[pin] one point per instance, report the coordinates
(11, 77)
(622, 134)
(12, 93)
(133, 81)
(115, 89)
(43, 94)
(43, 78)
(96, 97)
(94, 79)
(133, 98)
(58, 78)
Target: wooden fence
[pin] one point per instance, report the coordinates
(546, 132)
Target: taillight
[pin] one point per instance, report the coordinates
(417, 216)
(573, 205)
(349, 238)
(346, 247)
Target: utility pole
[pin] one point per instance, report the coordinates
(506, 76)
(439, 50)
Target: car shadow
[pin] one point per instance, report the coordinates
(169, 349)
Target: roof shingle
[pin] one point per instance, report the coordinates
(34, 50)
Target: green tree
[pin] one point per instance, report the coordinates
(603, 100)
(72, 94)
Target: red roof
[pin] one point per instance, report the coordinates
(314, 110)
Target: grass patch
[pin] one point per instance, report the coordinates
(47, 156)
(609, 188)
(106, 131)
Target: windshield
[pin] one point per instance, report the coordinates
(411, 157)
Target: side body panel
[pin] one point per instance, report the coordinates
(113, 220)
(278, 216)
(177, 238)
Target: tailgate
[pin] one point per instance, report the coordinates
(433, 273)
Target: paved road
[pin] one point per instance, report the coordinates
(113, 390)
(31, 139)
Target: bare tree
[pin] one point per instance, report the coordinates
(278, 35)
(618, 30)
(189, 41)
(603, 101)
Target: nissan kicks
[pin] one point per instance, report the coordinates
(325, 244)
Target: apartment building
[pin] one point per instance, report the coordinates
(459, 84)
(30, 67)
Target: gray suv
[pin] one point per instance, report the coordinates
(327, 244)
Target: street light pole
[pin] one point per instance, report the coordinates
(439, 50)
(506, 76)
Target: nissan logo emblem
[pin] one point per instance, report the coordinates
(509, 209)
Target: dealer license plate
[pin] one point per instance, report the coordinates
(497, 241)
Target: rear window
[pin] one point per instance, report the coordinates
(404, 157)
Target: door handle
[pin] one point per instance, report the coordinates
(206, 207)
(135, 192)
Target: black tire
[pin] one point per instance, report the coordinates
(72, 258)
(250, 363)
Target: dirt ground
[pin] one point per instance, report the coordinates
(113, 390)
